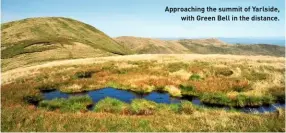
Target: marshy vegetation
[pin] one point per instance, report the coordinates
(235, 83)
(73, 104)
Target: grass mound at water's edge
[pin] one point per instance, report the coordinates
(72, 104)
(111, 105)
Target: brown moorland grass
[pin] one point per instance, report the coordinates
(19, 116)
(145, 73)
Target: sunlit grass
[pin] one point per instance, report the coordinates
(73, 104)
(111, 105)
(109, 114)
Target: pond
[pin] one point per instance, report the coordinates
(158, 97)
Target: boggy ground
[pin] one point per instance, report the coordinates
(215, 79)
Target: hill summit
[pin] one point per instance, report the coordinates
(41, 33)
(53, 38)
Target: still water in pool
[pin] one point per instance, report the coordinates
(158, 97)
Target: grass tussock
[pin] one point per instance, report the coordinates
(195, 77)
(188, 90)
(73, 104)
(240, 100)
(173, 67)
(215, 99)
(278, 93)
(33, 99)
(111, 105)
(173, 91)
(254, 76)
(187, 107)
(47, 87)
(143, 107)
(85, 74)
(137, 107)
(224, 72)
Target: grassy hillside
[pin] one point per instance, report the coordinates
(200, 46)
(214, 46)
(151, 46)
(52, 38)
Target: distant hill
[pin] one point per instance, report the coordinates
(201, 46)
(151, 46)
(52, 38)
(237, 49)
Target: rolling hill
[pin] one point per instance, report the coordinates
(151, 46)
(52, 38)
(200, 46)
(219, 47)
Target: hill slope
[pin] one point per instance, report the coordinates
(201, 46)
(215, 46)
(151, 46)
(52, 38)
